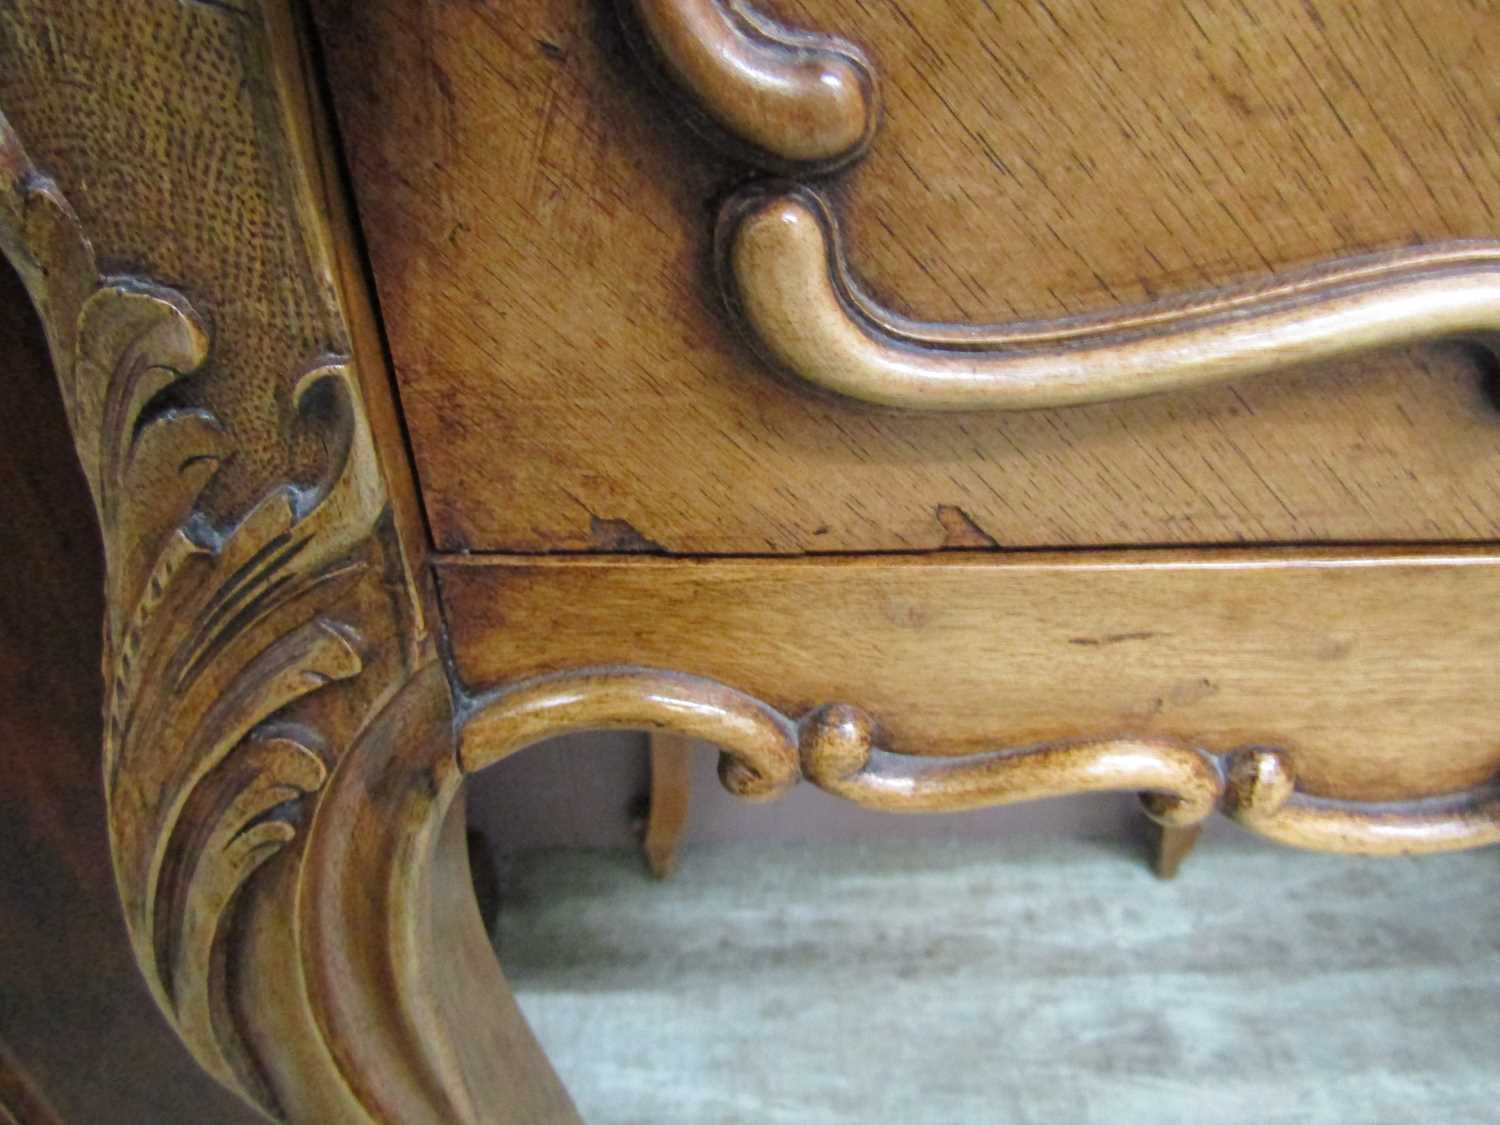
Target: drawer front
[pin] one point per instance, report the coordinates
(540, 189)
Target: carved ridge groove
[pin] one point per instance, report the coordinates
(836, 747)
(280, 775)
(784, 275)
(786, 280)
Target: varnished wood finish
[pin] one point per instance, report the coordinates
(759, 746)
(788, 98)
(284, 748)
(835, 748)
(840, 754)
(784, 271)
(764, 752)
(1263, 797)
(1355, 665)
(278, 757)
(671, 796)
(540, 224)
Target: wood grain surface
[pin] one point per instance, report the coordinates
(782, 266)
(1357, 667)
(540, 222)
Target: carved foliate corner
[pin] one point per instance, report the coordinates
(279, 762)
(214, 632)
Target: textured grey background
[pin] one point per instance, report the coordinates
(1012, 981)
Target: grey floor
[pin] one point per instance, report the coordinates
(1014, 981)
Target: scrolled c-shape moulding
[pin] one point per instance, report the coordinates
(784, 274)
(839, 755)
(1260, 795)
(759, 759)
(836, 747)
(799, 101)
(765, 753)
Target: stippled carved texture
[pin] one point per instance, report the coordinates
(164, 197)
(207, 199)
(214, 631)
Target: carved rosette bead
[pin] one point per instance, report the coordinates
(1260, 784)
(836, 741)
(1262, 796)
(839, 754)
(764, 753)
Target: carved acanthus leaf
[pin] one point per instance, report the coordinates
(213, 631)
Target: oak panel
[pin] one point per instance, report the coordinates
(1358, 667)
(540, 218)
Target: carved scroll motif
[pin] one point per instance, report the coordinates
(836, 747)
(783, 271)
(785, 277)
(789, 99)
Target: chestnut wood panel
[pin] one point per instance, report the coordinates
(1356, 667)
(540, 219)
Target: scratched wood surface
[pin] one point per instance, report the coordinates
(539, 221)
(1357, 667)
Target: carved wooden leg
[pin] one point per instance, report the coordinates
(671, 793)
(409, 997)
(280, 774)
(1171, 846)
